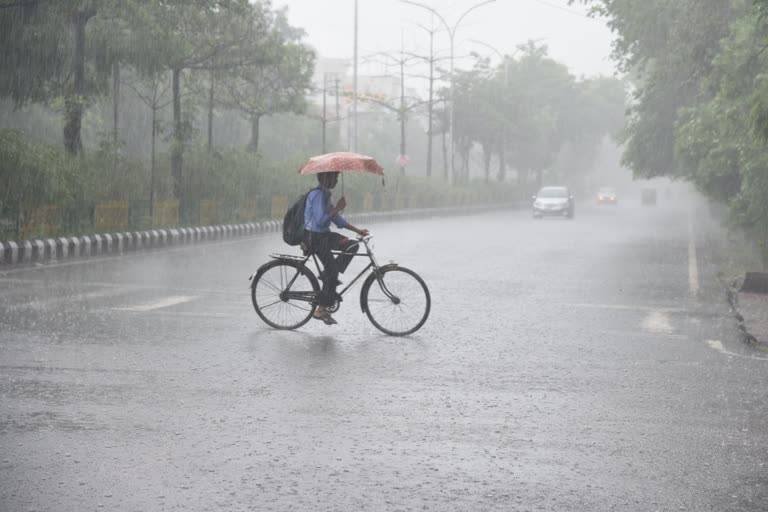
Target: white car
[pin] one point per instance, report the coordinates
(553, 201)
(607, 195)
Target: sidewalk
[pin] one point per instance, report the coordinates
(751, 311)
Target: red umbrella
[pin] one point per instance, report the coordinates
(341, 162)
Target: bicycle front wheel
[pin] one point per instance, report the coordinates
(397, 303)
(284, 294)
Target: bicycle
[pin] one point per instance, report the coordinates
(284, 292)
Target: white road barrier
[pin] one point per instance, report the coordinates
(39, 251)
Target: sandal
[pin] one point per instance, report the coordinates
(321, 313)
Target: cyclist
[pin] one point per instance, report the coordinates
(319, 212)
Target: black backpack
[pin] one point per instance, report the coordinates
(293, 222)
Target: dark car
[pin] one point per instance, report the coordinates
(555, 201)
(607, 195)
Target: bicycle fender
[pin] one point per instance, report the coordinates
(254, 277)
(369, 280)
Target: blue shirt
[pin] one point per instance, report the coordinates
(316, 211)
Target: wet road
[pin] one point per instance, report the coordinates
(567, 365)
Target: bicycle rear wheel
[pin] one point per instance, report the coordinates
(399, 307)
(279, 305)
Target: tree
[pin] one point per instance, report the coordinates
(595, 110)
(44, 60)
(152, 91)
(668, 48)
(195, 35)
(479, 115)
(721, 141)
(526, 111)
(701, 106)
(279, 82)
(518, 110)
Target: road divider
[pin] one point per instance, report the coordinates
(64, 248)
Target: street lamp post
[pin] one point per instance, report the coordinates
(504, 57)
(451, 34)
(325, 117)
(354, 85)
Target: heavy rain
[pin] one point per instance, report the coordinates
(391, 255)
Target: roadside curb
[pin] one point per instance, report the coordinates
(748, 335)
(65, 248)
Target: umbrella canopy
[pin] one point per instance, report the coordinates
(341, 162)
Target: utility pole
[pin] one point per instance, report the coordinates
(338, 115)
(431, 60)
(430, 107)
(354, 88)
(403, 163)
(349, 128)
(325, 117)
(400, 106)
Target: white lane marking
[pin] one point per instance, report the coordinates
(73, 299)
(625, 308)
(36, 283)
(717, 345)
(657, 322)
(164, 303)
(184, 314)
(693, 268)
(629, 334)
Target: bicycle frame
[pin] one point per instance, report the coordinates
(311, 296)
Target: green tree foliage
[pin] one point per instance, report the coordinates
(58, 53)
(526, 111)
(667, 46)
(192, 35)
(479, 116)
(721, 141)
(701, 103)
(278, 82)
(68, 58)
(63, 53)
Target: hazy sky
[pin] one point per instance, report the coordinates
(582, 43)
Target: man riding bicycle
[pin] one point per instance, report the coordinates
(319, 212)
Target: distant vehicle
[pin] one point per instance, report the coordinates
(648, 196)
(607, 195)
(553, 201)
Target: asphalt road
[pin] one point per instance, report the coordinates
(585, 365)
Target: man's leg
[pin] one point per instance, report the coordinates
(321, 245)
(348, 246)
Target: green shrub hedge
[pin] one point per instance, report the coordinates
(38, 177)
